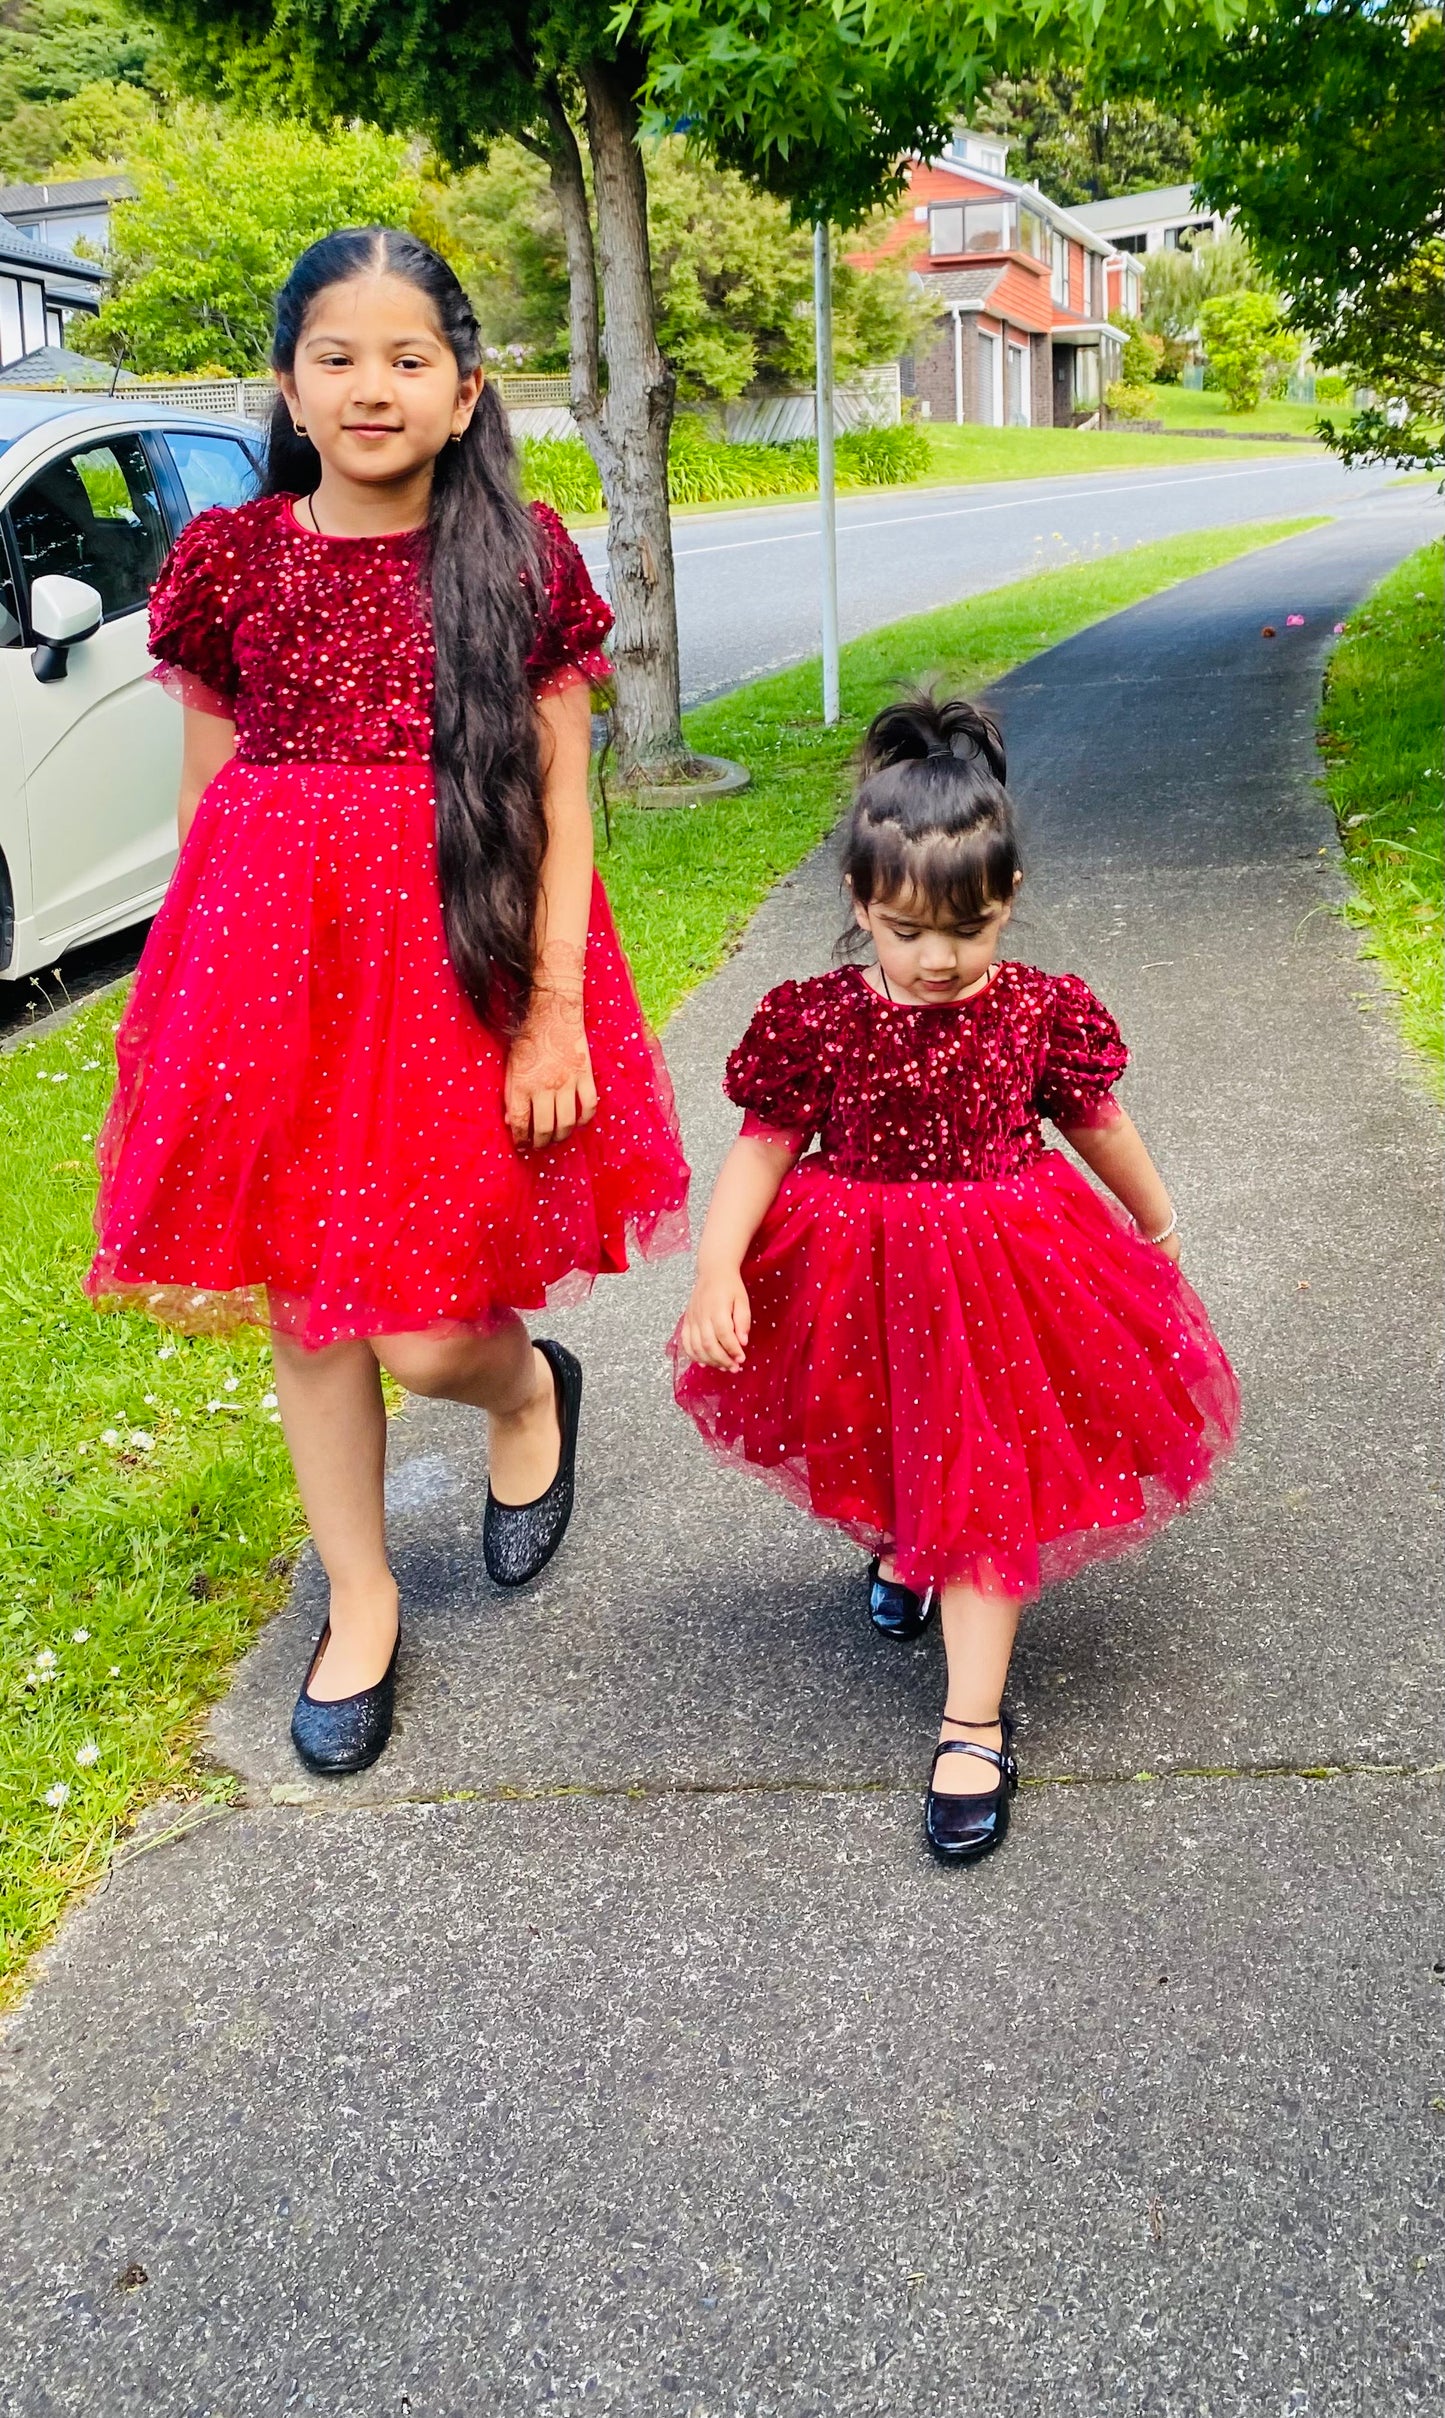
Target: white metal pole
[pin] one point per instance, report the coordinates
(827, 487)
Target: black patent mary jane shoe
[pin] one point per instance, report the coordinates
(349, 1734)
(898, 1611)
(963, 1829)
(519, 1539)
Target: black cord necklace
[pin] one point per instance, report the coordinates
(315, 523)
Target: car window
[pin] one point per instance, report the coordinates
(95, 515)
(213, 470)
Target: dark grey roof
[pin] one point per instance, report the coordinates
(56, 365)
(960, 285)
(18, 252)
(77, 193)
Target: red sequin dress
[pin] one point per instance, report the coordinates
(307, 1130)
(959, 1350)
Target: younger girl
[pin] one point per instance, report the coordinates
(932, 1330)
(383, 1077)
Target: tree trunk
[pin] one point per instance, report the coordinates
(626, 430)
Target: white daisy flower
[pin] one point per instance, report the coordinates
(268, 1402)
(141, 1441)
(80, 1637)
(166, 1352)
(45, 1660)
(109, 1435)
(58, 1795)
(87, 1754)
(231, 1384)
(115, 1670)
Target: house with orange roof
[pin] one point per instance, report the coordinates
(1026, 294)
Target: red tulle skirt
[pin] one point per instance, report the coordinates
(995, 1380)
(307, 1131)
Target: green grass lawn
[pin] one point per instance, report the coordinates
(148, 1515)
(1380, 735)
(961, 455)
(1186, 407)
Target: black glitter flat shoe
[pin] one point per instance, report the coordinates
(350, 1733)
(962, 1830)
(519, 1539)
(898, 1611)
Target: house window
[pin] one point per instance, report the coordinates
(945, 229)
(1095, 287)
(1183, 239)
(990, 226)
(1131, 243)
(1059, 269)
(1033, 236)
(32, 315)
(1018, 392)
(12, 342)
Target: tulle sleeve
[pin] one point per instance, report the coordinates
(1084, 1056)
(779, 1074)
(572, 619)
(189, 630)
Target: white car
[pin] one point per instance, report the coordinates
(93, 495)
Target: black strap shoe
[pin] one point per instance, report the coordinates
(962, 1829)
(349, 1734)
(897, 1611)
(519, 1539)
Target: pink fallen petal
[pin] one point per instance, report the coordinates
(1294, 621)
(1339, 629)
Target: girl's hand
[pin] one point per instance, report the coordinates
(550, 1090)
(717, 1322)
(1172, 1247)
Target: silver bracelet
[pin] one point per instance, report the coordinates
(1164, 1232)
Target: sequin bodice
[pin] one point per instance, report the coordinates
(320, 648)
(895, 1093)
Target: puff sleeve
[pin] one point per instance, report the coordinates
(1084, 1056)
(780, 1074)
(572, 619)
(190, 634)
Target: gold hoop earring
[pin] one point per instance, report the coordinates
(300, 427)
(457, 435)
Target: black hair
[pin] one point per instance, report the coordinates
(486, 589)
(932, 819)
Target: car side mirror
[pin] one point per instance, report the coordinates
(62, 613)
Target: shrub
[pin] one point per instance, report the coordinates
(561, 472)
(1128, 402)
(704, 469)
(1332, 386)
(1143, 355)
(1241, 333)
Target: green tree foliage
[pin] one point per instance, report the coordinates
(1321, 131)
(732, 277)
(1178, 284)
(1078, 145)
(1143, 355)
(61, 61)
(820, 101)
(222, 208)
(1241, 334)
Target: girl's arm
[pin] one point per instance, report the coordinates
(208, 743)
(717, 1320)
(1117, 1155)
(549, 1071)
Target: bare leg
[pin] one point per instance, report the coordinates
(502, 1374)
(978, 1639)
(335, 1423)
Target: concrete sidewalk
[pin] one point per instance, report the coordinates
(613, 2043)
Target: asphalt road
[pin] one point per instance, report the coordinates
(614, 2044)
(747, 582)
